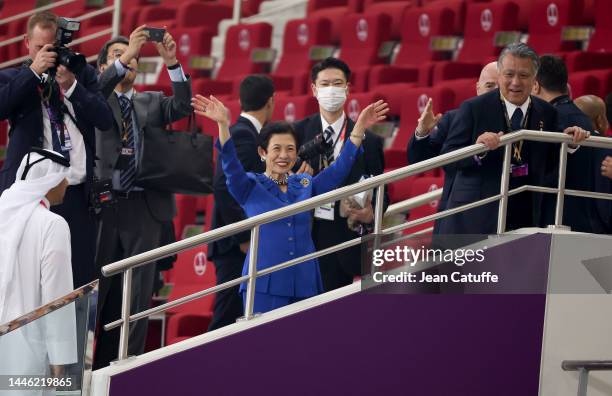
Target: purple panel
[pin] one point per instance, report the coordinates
(364, 344)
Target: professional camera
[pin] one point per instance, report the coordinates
(315, 147)
(73, 61)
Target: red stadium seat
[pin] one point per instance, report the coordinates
(457, 6)
(193, 273)
(192, 42)
(482, 21)
(362, 36)
(294, 108)
(415, 100)
(358, 101)
(185, 213)
(395, 9)
(548, 17)
(3, 133)
(183, 326)
(294, 64)
(315, 6)
(600, 41)
(463, 89)
(421, 186)
(580, 61)
(239, 43)
(202, 15)
(583, 83)
(444, 71)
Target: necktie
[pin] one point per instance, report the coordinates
(328, 136)
(128, 174)
(57, 127)
(517, 119)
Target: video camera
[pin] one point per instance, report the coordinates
(73, 61)
(315, 147)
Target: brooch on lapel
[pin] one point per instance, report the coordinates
(305, 182)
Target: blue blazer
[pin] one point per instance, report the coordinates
(286, 238)
(20, 104)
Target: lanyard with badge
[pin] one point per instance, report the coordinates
(326, 212)
(518, 167)
(58, 125)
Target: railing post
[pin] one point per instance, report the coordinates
(236, 11)
(126, 303)
(561, 186)
(583, 381)
(505, 181)
(117, 18)
(378, 209)
(250, 291)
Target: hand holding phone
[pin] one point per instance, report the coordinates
(155, 34)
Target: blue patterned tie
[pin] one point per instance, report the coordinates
(517, 119)
(328, 136)
(128, 174)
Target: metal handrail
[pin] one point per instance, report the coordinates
(584, 367)
(128, 264)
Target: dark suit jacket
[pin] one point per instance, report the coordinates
(423, 149)
(476, 181)
(370, 162)
(20, 103)
(227, 210)
(154, 111)
(582, 169)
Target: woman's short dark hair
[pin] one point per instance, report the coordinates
(103, 54)
(277, 128)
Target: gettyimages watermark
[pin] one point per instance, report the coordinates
(455, 264)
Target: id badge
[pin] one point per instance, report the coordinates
(67, 146)
(325, 212)
(519, 170)
(124, 158)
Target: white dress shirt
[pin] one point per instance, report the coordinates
(337, 126)
(78, 155)
(253, 120)
(511, 108)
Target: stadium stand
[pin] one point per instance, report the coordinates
(356, 29)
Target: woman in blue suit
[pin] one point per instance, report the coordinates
(290, 237)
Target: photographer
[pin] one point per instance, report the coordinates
(134, 224)
(50, 106)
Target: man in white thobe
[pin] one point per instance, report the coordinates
(35, 269)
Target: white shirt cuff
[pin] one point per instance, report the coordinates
(572, 150)
(70, 90)
(36, 74)
(177, 75)
(417, 137)
(120, 69)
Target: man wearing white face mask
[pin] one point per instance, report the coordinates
(330, 85)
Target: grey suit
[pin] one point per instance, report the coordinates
(135, 224)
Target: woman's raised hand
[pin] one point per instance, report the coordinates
(211, 108)
(373, 113)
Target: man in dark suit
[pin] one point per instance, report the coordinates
(330, 86)
(432, 130)
(135, 224)
(228, 254)
(583, 165)
(60, 117)
(595, 108)
(504, 110)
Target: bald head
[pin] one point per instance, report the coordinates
(595, 108)
(488, 79)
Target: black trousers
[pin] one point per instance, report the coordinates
(82, 224)
(126, 230)
(228, 303)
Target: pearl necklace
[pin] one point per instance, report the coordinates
(282, 181)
